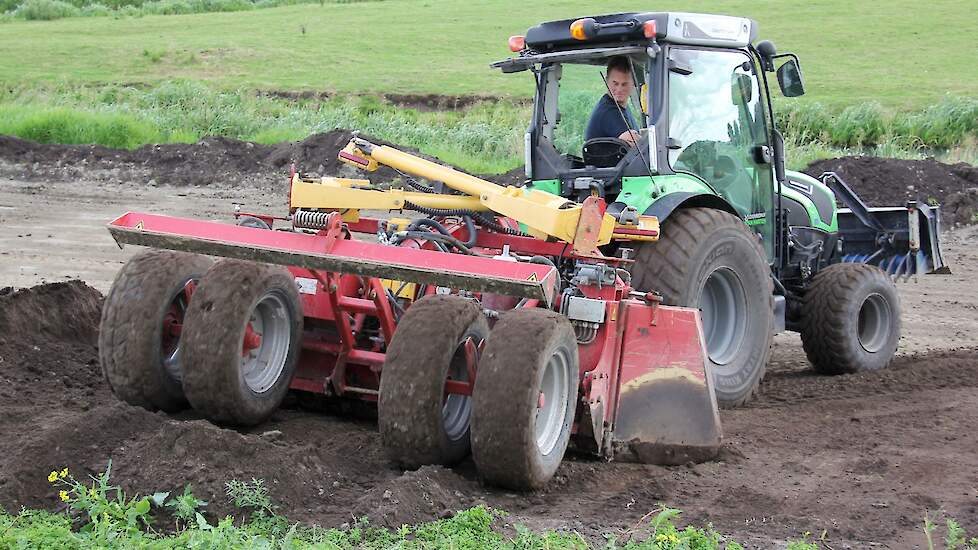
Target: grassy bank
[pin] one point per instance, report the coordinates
(49, 10)
(485, 137)
(851, 52)
(97, 514)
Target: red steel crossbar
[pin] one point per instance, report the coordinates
(328, 252)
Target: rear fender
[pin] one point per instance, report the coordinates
(666, 205)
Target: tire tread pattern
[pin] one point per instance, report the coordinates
(826, 332)
(216, 321)
(413, 380)
(505, 398)
(130, 330)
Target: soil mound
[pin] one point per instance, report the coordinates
(66, 311)
(429, 492)
(211, 160)
(878, 181)
(892, 182)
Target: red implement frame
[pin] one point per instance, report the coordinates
(644, 395)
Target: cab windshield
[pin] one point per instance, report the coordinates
(581, 90)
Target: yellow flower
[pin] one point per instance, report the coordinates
(92, 492)
(661, 537)
(63, 495)
(63, 474)
(53, 476)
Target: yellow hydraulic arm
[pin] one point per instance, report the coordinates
(545, 215)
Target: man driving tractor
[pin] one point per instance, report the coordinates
(611, 117)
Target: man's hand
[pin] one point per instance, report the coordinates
(631, 136)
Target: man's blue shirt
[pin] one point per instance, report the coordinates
(606, 121)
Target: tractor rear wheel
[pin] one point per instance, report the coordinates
(419, 423)
(525, 398)
(242, 341)
(140, 330)
(710, 260)
(850, 319)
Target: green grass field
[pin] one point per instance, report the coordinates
(898, 53)
(883, 83)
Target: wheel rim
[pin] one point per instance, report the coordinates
(553, 394)
(170, 340)
(456, 411)
(271, 321)
(723, 311)
(874, 323)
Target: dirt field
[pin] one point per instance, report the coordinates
(862, 457)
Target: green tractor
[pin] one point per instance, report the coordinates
(757, 248)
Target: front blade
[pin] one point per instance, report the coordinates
(667, 411)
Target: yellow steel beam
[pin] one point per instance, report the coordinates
(340, 194)
(545, 215)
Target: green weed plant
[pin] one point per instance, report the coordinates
(97, 514)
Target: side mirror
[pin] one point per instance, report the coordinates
(789, 79)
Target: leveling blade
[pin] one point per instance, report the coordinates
(328, 253)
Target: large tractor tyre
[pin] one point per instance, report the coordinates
(710, 260)
(850, 319)
(242, 342)
(419, 423)
(525, 398)
(139, 340)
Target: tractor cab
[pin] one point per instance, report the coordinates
(699, 111)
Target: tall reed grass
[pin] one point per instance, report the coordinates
(485, 137)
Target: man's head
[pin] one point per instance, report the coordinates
(620, 79)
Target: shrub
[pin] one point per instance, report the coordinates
(858, 125)
(60, 125)
(96, 10)
(46, 10)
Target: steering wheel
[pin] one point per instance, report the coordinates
(604, 152)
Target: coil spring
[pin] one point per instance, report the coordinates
(307, 219)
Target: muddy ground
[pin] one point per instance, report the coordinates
(862, 457)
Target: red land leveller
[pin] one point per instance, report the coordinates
(593, 364)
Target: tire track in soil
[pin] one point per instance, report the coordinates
(906, 374)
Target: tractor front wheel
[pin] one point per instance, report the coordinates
(419, 422)
(710, 260)
(141, 326)
(242, 342)
(525, 398)
(850, 319)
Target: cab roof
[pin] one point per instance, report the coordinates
(615, 29)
